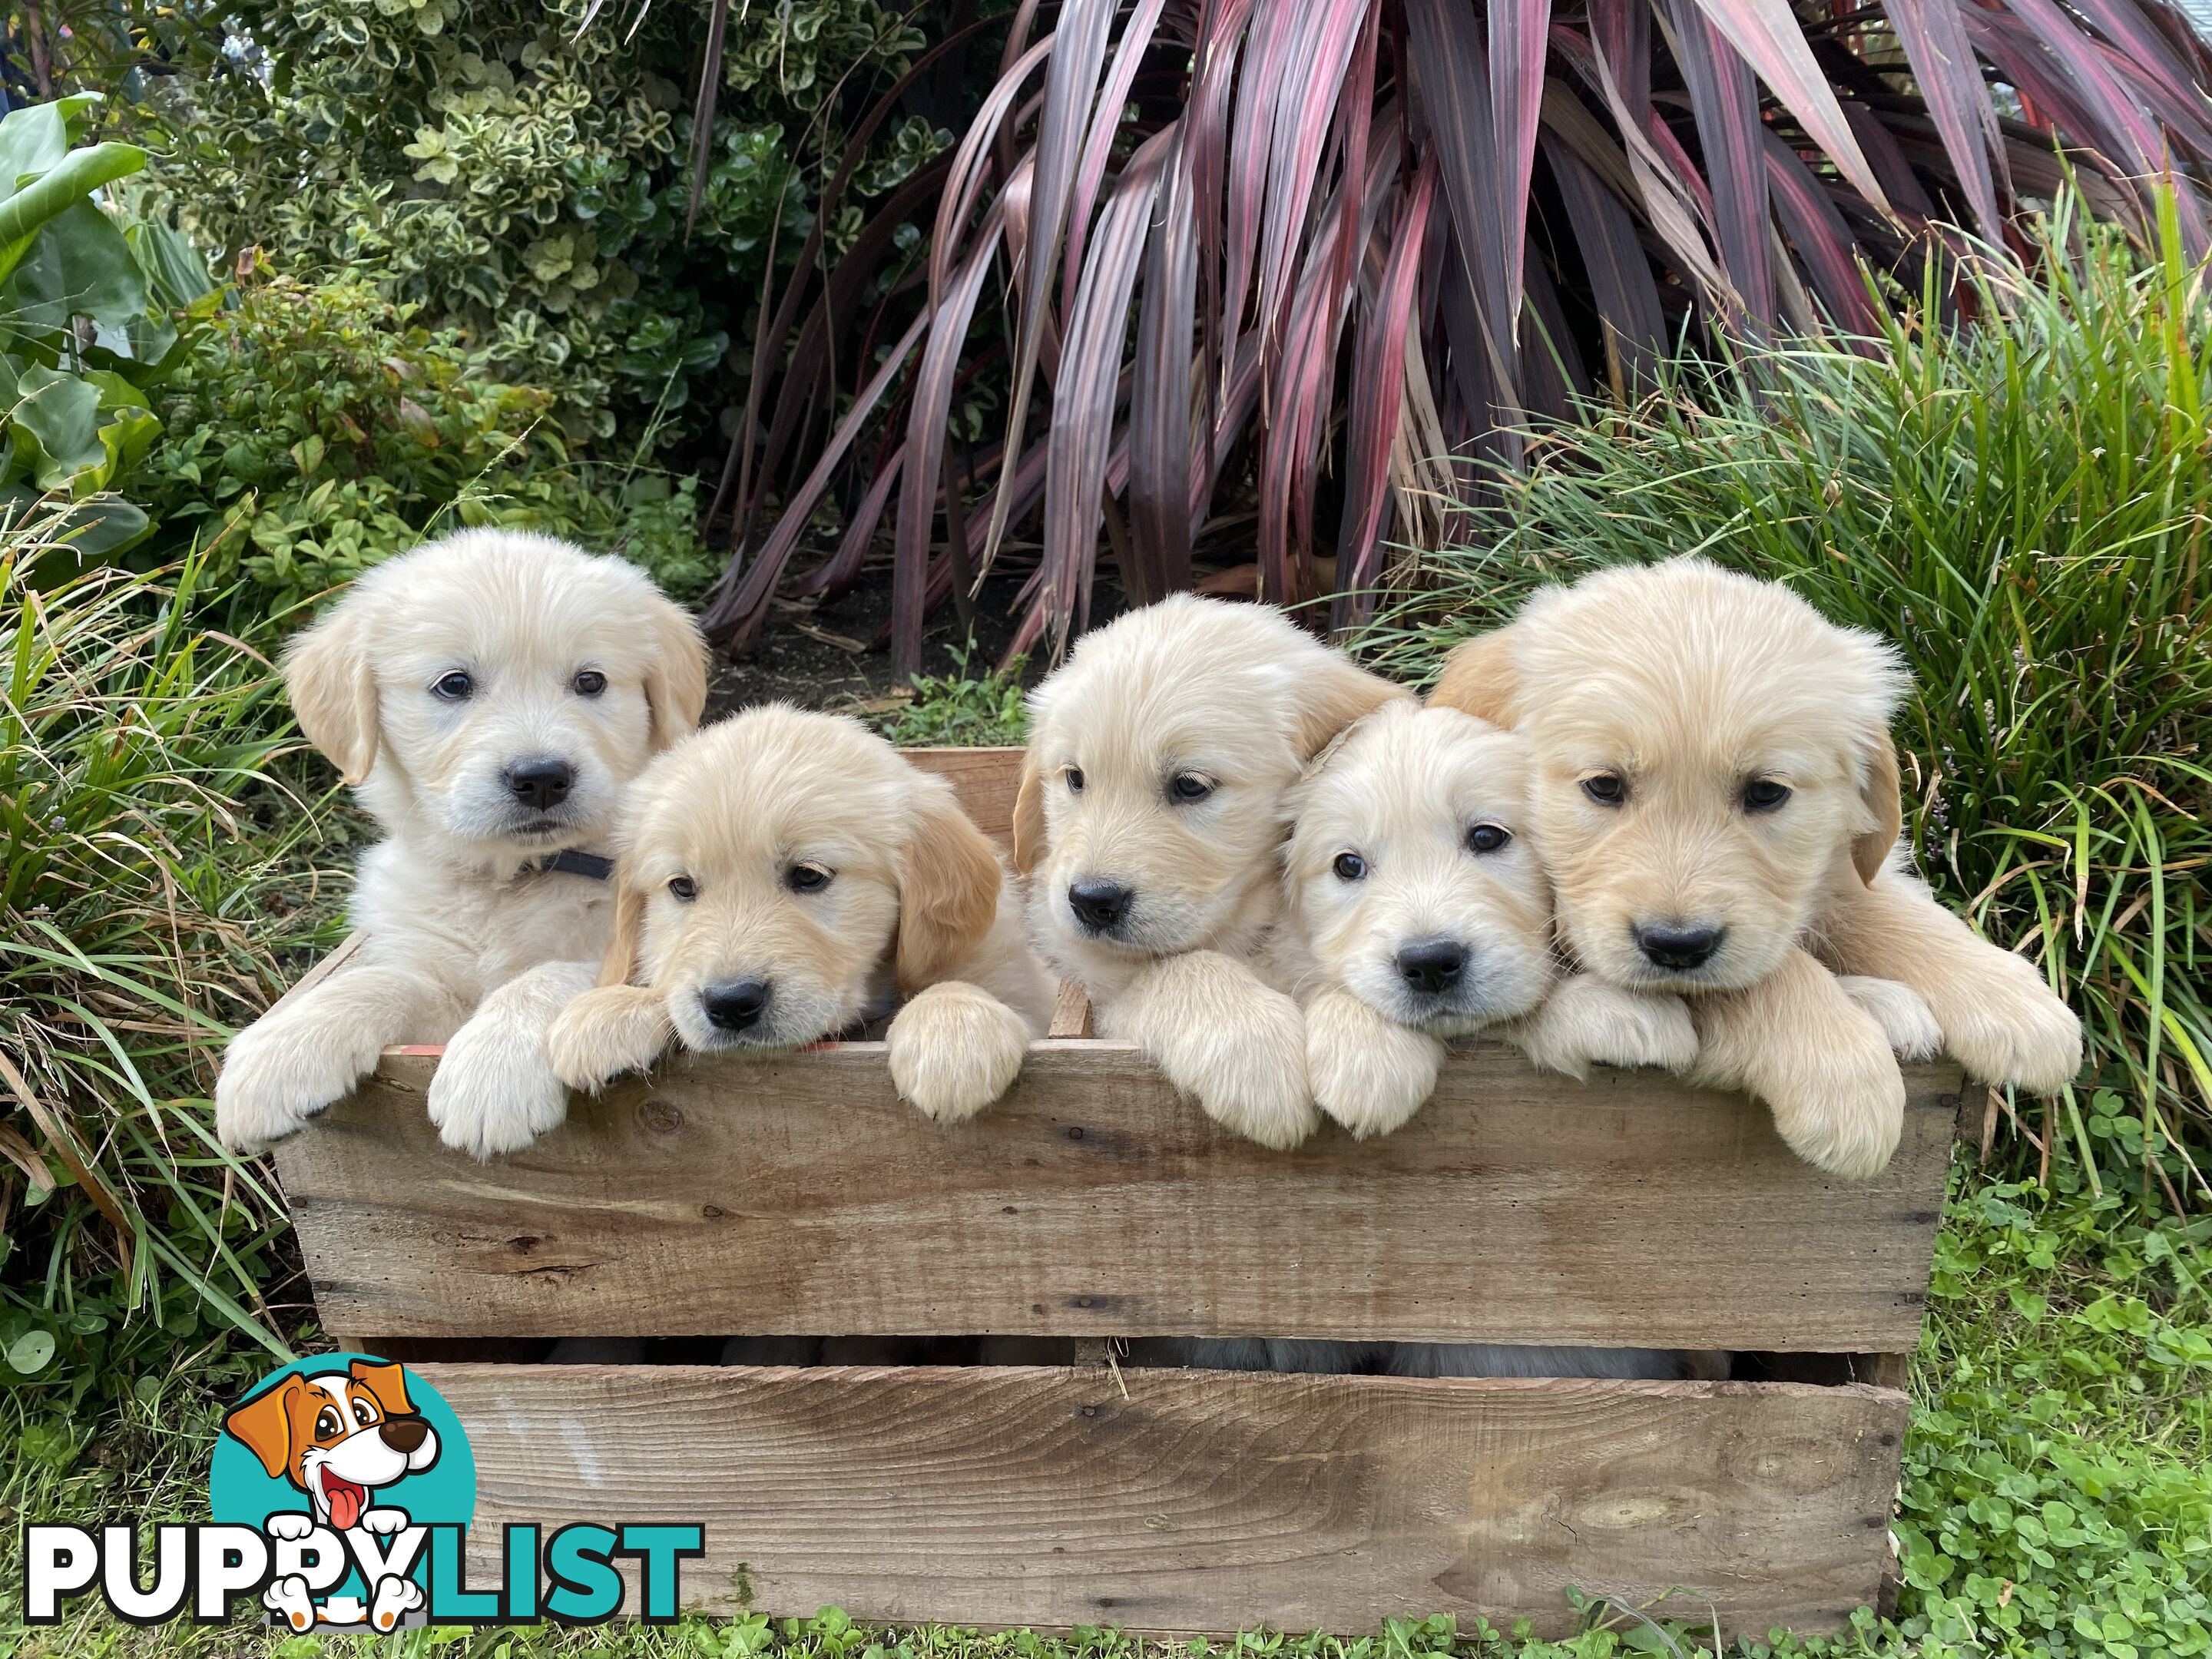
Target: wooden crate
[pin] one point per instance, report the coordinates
(799, 1195)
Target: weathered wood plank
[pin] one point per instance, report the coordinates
(799, 1195)
(985, 780)
(1205, 1502)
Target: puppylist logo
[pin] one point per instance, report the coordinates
(340, 1493)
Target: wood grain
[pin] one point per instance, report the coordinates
(1203, 1502)
(799, 1195)
(986, 781)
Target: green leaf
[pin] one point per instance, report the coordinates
(56, 428)
(78, 265)
(31, 1352)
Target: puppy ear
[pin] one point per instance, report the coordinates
(619, 965)
(1029, 815)
(264, 1424)
(387, 1382)
(332, 685)
(1332, 698)
(1882, 795)
(1478, 678)
(676, 674)
(948, 879)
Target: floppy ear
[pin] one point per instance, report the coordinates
(1029, 815)
(1330, 699)
(948, 879)
(1882, 795)
(676, 674)
(333, 689)
(264, 1424)
(387, 1382)
(619, 965)
(1478, 678)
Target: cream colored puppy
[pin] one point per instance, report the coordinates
(1718, 801)
(488, 694)
(1417, 909)
(1153, 803)
(779, 873)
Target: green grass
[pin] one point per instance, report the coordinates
(960, 711)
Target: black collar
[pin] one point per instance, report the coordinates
(570, 862)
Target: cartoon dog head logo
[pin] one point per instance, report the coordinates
(339, 1435)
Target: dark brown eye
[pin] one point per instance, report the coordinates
(683, 888)
(1488, 837)
(363, 1412)
(455, 687)
(1763, 795)
(328, 1423)
(1350, 866)
(1187, 788)
(1074, 775)
(807, 877)
(589, 683)
(1606, 788)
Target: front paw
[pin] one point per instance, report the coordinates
(1900, 1010)
(394, 1598)
(2008, 1027)
(1248, 1070)
(954, 1049)
(1368, 1072)
(495, 1090)
(288, 1597)
(1839, 1103)
(606, 1032)
(278, 1073)
(383, 1520)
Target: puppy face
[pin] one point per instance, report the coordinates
(1711, 752)
(499, 688)
(1412, 876)
(1152, 802)
(780, 869)
(338, 1437)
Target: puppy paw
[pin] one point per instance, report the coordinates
(2008, 1027)
(288, 1598)
(289, 1524)
(1369, 1073)
(395, 1596)
(1841, 1105)
(1248, 1072)
(383, 1521)
(1904, 1016)
(954, 1049)
(495, 1090)
(279, 1073)
(1586, 1022)
(606, 1032)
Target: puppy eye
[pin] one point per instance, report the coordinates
(1488, 837)
(455, 686)
(807, 877)
(1074, 777)
(683, 888)
(1763, 795)
(1349, 866)
(589, 683)
(1189, 787)
(1606, 788)
(328, 1423)
(363, 1413)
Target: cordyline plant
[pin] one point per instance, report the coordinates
(1248, 243)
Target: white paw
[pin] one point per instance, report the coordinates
(384, 1520)
(2008, 1027)
(288, 1598)
(1368, 1072)
(1841, 1110)
(1248, 1072)
(1627, 1028)
(495, 1090)
(954, 1049)
(1904, 1016)
(604, 1033)
(394, 1598)
(290, 1524)
(279, 1073)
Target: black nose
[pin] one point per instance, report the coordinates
(403, 1434)
(1679, 945)
(1098, 905)
(541, 783)
(1432, 965)
(736, 1006)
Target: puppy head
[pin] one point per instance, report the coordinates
(1152, 803)
(498, 689)
(1412, 878)
(339, 1435)
(1710, 753)
(772, 864)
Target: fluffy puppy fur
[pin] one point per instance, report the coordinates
(1417, 909)
(489, 695)
(1151, 808)
(779, 872)
(1718, 799)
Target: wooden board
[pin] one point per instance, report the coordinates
(799, 1195)
(985, 780)
(1203, 1502)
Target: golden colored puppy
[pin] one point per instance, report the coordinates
(1418, 909)
(1152, 809)
(489, 695)
(780, 873)
(1718, 802)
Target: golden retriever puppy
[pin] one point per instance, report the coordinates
(489, 695)
(1718, 799)
(782, 873)
(1153, 803)
(1417, 909)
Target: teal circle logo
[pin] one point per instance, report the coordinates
(341, 1458)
